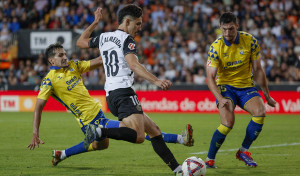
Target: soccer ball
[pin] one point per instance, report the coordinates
(193, 166)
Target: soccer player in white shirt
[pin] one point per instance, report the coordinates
(120, 61)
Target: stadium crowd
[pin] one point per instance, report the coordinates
(174, 41)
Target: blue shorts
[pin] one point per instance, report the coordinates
(239, 96)
(101, 120)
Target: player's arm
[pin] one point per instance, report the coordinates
(211, 73)
(141, 71)
(83, 41)
(261, 80)
(37, 115)
(95, 63)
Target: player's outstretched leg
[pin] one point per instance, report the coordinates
(59, 155)
(186, 138)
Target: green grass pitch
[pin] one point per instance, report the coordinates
(276, 150)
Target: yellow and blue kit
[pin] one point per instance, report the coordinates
(66, 86)
(235, 82)
(234, 63)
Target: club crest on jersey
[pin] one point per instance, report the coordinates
(131, 46)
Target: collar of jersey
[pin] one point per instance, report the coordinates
(120, 30)
(54, 68)
(237, 40)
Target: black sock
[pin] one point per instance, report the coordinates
(122, 133)
(164, 152)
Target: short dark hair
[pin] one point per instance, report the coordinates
(130, 10)
(227, 17)
(50, 51)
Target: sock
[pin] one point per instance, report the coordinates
(111, 124)
(217, 140)
(164, 152)
(76, 149)
(63, 155)
(122, 133)
(252, 132)
(180, 139)
(168, 138)
(243, 149)
(179, 168)
(207, 159)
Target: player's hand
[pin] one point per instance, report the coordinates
(224, 102)
(163, 84)
(271, 102)
(35, 142)
(98, 15)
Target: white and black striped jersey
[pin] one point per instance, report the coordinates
(113, 47)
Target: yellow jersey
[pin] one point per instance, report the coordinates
(66, 86)
(233, 60)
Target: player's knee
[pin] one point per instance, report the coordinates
(228, 122)
(100, 145)
(259, 112)
(140, 139)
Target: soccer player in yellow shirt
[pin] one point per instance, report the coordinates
(234, 60)
(64, 83)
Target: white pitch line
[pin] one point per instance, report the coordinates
(265, 146)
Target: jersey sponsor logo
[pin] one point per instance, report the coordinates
(131, 46)
(70, 87)
(233, 65)
(72, 83)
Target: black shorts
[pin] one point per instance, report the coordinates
(123, 102)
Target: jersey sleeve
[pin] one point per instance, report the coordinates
(255, 49)
(83, 66)
(129, 46)
(213, 57)
(94, 42)
(46, 89)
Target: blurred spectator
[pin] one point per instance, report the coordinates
(33, 78)
(19, 9)
(62, 9)
(2, 83)
(175, 38)
(15, 25)
(40, 5)
(199, 78)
